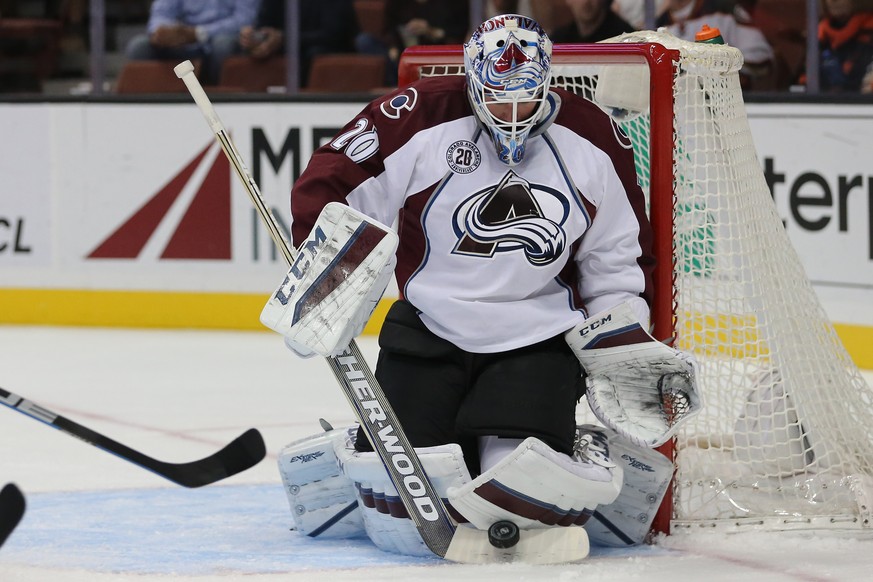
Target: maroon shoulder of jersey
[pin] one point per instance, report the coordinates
(427, 103)
(358, 151)
(587, 120)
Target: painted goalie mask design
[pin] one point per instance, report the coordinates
(508, 64)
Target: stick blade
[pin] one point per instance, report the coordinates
(554, 545)
(12, 507)
(244, 452)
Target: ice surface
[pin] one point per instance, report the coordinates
(182, 395)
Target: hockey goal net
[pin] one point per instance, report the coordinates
(785, 440)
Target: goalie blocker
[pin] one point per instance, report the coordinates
(334, 284)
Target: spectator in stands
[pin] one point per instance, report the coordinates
(593, 21)
(845, 36)
(326, 26)
(867, 81)
(551, 14)
(634, 11)
(194, 29)
(496, 7)
(684, 18)
(415, 22)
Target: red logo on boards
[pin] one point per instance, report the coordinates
(202, 233)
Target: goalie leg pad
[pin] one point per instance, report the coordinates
(536, 487)
(628, 520)
(385, 518)
(323, 501)
(637, 386)
(338, 277)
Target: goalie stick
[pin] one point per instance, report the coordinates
(12, 506)
(380, 424)
(360, 387)
(245, 451)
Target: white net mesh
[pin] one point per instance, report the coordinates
(785, 439)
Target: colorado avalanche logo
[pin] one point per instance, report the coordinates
(509, 217)
(404, 101)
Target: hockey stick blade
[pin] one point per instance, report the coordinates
(554, 545)
(244, 452)
(12, 506)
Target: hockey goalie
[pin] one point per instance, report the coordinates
(522, 255)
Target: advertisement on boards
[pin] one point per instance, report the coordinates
(142, 196)
(817, 163)
(133, 196)
(25, 189)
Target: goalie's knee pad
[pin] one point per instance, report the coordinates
(385, 518)
(627, 520)
(323, 501)
(536, 487)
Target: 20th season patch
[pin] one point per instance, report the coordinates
(463, 156)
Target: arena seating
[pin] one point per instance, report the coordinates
(248, 75)
(346, 73)
(151, 77)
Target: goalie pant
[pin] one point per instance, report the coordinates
(337, 492)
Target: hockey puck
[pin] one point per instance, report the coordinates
(503, 534)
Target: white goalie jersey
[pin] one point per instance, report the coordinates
(495, 257)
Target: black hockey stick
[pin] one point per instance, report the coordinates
(11, 510)
(246, 451)
(350, 368)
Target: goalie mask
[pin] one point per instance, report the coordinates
(508, 66)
